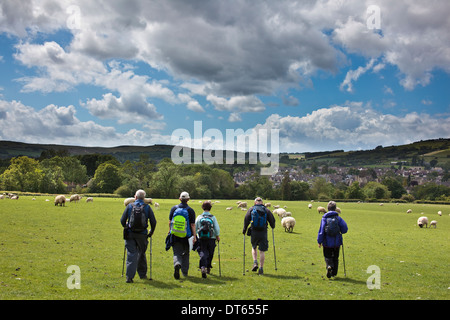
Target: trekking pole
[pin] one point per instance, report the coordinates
(274, 254)
(124, 254)
(343, 256)
(151, 255)
(218, 251)
(243, 270)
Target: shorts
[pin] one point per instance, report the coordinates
(259, 239)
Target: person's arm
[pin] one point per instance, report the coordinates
(152, 220)
(247, 219)
(124, 218)
(321, 233)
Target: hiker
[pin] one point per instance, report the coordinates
(330, 238)
(208, 231)
(135, 220)
(182, 227)
(258, 216)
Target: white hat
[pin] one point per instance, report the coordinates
(184, 195)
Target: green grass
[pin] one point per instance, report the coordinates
(39, 241)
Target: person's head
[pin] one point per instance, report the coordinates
(258, 200)
(140, 194)
(206, 206)
(184, 197)
(331, 206)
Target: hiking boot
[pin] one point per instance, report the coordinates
(208, 270)
(260, 271)
(176, 273)
(329, 272)
(255, 267)
(203, 272)
(129, 280)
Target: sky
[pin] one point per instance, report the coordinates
(322, 75)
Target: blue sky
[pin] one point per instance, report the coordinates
(132, 72)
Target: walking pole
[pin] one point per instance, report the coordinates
(124, 254)
(343, 256)
(151, 255)
(218, 251)
(243, 270)
(274, 254)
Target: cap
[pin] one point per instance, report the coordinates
(184, 195)
(258, 199)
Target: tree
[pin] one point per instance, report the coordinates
(376, 190)
(164, 182)
(354, 191)
(286, 187)
(23, 174)
(106, 179)
(394, 186)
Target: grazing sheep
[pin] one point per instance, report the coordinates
(288, 224)
(90, 199)
(60, 200)
(268, 205)
(156, 205)
(242, 205)
(2, 196)
(321, 209)
(310, 206)
(381, 204)
(230, 208)
(276, 207)
(280, 212)
(75, 197)
(422, 221)
(14, 196)
(127, 201)
(433, 223)
(440, 213)
(338, 210)
(409, 211)
(288, 214)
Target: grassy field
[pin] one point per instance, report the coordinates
(40, 241)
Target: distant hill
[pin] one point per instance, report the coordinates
(414, 154)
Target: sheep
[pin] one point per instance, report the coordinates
(60, 200)
(243, 209)
(338, 210)
(433, 223)
(381, 204)
(89, 199)
(288, 224)
(276, 207)
(409, 211)
(14, 196)
(321, 209)
(422, 221)
(268, 205)
(288, 214)
(127, 201)
(156, 205)
(75, 197)
(440, 213)
(310, 206)
(280, 212)
(242, 205)
(2, 196)
(230, 208)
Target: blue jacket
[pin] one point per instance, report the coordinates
(148, 212)
(329, 241)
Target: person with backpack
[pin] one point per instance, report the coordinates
(135, 220)
(181, 228)
(332, 226)
(208, 231)
(258, 217)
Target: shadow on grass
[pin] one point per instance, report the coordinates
(349, 280)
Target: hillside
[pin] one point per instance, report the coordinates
(416, 153)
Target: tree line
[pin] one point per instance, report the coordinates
(52, 173)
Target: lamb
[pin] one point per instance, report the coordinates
(90, 199)
(242, 205)
(433, 223)
(127, 201)
(288, 224)
(409, 211)
(60, 200)
(422, 221)
(321, 209)
(75, 197)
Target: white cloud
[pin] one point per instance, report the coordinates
(237, 103)
(353, 75)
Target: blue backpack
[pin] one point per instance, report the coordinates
(259, 218)
(332, 228)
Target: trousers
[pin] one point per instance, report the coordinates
(332, 259)
(136, 246)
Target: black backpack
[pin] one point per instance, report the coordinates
(332, 227)
(259, 218)
(206, 227)
(138, 220)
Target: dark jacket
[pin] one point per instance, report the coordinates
(329, 241)
(148, 213)
(248, 218)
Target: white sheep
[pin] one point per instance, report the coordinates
(268, 205)
(2, 196)
(433, 223)
(230, 208)
(338, 210)
(60, 200)
(288, 214)
(409, 211)
(440, 213)
(288, 224)
(127, 201)
(156, 205)
(280, 212)
(321, 209)
(75, 197)
(242, 205)
(310, 206)
(422, 221)
(89, 199)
